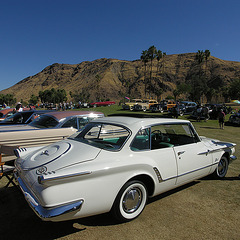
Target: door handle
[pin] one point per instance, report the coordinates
(179, 153)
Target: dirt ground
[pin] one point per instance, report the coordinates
(203, 209)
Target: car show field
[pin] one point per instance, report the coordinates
(203, 209)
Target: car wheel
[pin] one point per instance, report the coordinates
(130, 201)
(222, 168)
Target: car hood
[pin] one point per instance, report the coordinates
(58, 156)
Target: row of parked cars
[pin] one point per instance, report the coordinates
(183, 107)
(74, 164)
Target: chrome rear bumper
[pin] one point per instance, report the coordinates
(47, 213)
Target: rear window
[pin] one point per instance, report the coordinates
(44, 121)
(105, 136)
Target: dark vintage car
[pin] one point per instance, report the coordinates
(157, 107)
(235, 119)
(24, 117)
(178, 110)
(189, 106)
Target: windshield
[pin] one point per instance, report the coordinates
(19, 117)
(44, 121)
(104, 136)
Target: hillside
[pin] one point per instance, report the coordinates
(113, 79)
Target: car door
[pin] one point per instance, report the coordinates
(193, 159)
(158, 152)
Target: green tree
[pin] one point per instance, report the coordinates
(33, 99)
(7, 99)
(234, 89)
(53, 96)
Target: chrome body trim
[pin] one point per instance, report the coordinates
(47, 213)
(44, 178)
(173, 177)
(159, 177)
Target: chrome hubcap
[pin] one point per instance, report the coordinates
(132, 200)
(221, 167)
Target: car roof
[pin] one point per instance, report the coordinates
(131, 122)
(63, 114)
(35, 111)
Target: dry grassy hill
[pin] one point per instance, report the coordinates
(112, 79)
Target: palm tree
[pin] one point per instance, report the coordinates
(200, 56)
(207, 54)
(152, 54)
(159, 57)
(164, 55)
(144, 58)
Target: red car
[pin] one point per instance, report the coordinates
(99, 104)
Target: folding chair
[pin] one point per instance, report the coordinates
(6, 171)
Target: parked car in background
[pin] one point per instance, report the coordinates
(144, 105)
(48, 128)
(234, 119)
(129, 105)
(6, 112)
(115, 164)
(167, 104)
(177, 110)
(189, 106)
(99, 104)
(24, 117)
(157, 107)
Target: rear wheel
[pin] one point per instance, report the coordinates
(222, 168)
(130, 201)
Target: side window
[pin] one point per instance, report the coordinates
(141, 141)
(70, 123)
(181, 134)
(159, 137)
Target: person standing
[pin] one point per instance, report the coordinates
(221, 118)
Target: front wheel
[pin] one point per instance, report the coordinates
(130, 201)
(222, 168)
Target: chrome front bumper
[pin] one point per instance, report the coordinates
(47, 213)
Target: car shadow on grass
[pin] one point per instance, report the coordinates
(210, 127)
(18, 221)
(211, 178)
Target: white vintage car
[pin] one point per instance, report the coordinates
(115, 164)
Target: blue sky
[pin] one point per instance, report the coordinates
(35, 34)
